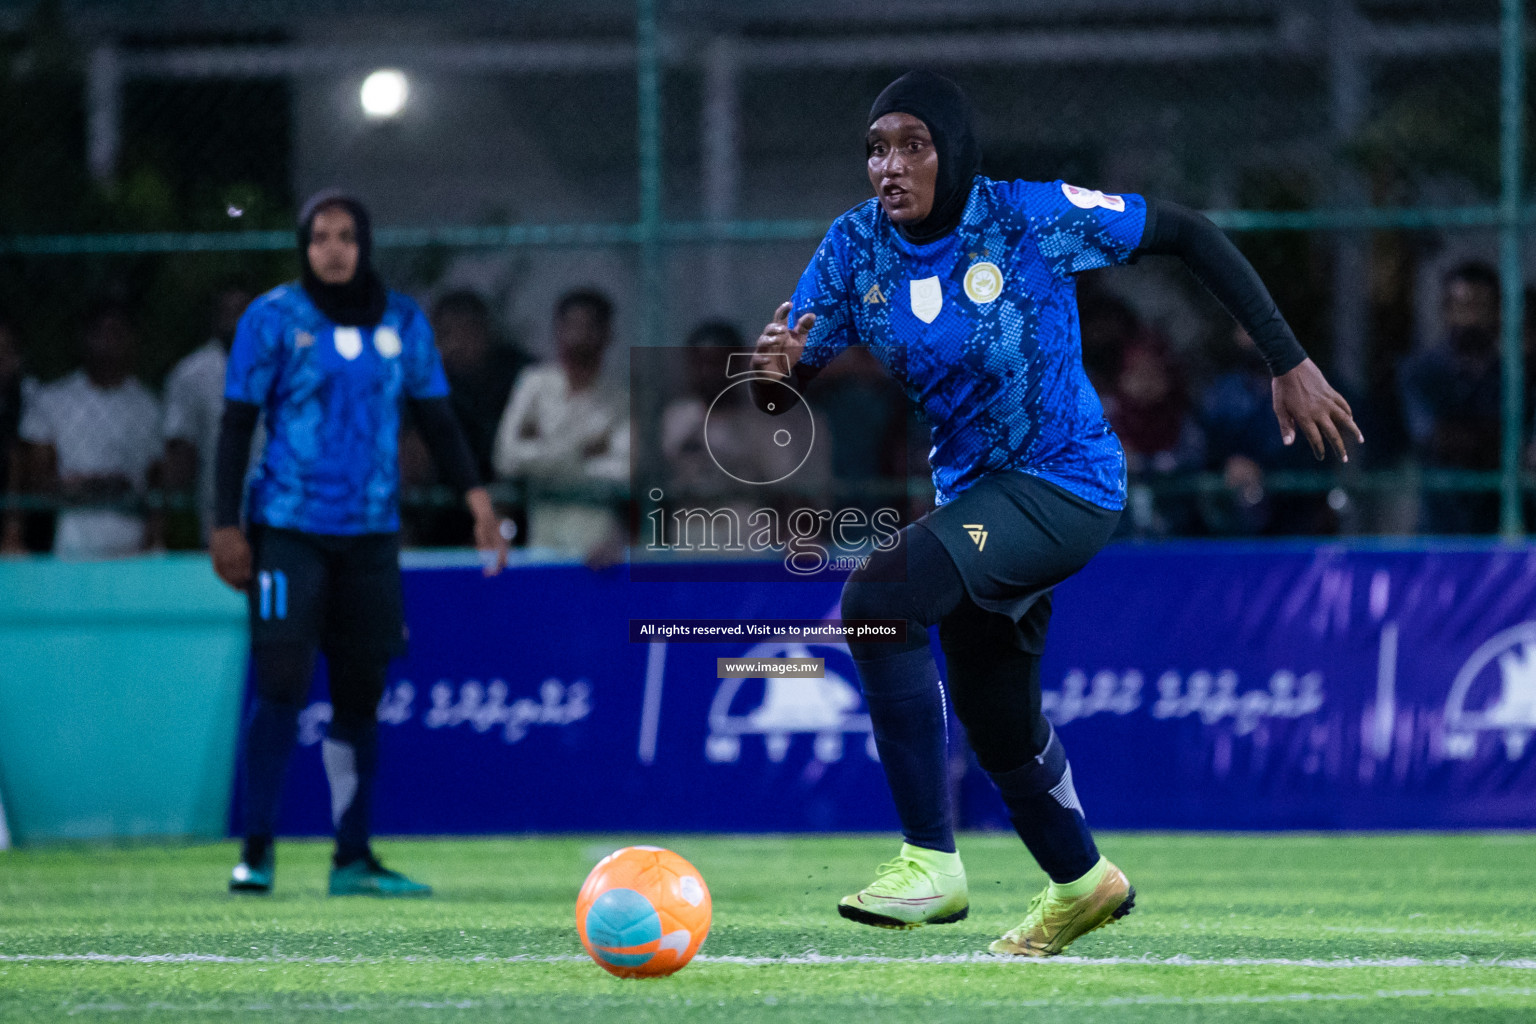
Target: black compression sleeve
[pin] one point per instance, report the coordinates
(1175, 230)
(445, 439)
(231, 459)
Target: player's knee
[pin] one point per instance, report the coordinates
(353, 727)
(283, 673)
(1033, 755)
(877, 590)
(357, 684)
(861, 600)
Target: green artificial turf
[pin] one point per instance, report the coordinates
(1227, 928)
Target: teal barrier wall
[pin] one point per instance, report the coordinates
(120, 687)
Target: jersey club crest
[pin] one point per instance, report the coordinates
(983, 282)
(387, 340)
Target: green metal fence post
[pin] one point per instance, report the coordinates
(1511, 271)
(645, 408)
(648, 62)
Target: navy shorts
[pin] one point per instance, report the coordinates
(333, 593)
(1013, 537)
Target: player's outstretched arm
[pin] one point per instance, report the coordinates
(778, 350)
(1305, 403)
(450, 450)
(255, 360)
(227, 545)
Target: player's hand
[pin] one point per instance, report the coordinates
(231, 556)
(11, 542)
(489, 539)
(1306, 403)
(779, 341)
(605, 553)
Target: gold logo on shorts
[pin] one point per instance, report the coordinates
(983, 282)
(978, 534)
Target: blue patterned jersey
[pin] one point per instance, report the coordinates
(980, 327)
(331, 400)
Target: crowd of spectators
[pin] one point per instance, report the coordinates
(1174, 419)
(1451, 399)
(79, 455)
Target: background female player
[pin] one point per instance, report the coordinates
(963, 287)
(328, 360)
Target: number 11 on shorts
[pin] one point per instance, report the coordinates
(273, 594)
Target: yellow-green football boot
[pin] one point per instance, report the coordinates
(919, 887)
(1062, 914)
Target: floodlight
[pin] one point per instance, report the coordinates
(384, 93)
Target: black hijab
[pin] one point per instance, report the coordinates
(361, 301)
(939, 104)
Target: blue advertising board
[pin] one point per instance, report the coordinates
(1194, 685)
(1297, 686)
(523, 706)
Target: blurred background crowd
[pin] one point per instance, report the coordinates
(167, 147)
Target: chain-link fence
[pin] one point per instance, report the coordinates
(684, 157)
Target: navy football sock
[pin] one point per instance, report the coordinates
(906, 711)
(1043, 806)
(269, 740)
(351, 755)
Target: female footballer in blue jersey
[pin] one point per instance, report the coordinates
(964, 288)
(327, 361)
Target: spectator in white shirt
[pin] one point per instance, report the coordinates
(194, 401)
(16, 387)
(94, 437)
(567, 428)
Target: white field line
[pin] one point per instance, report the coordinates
(1112, 1001)
(801, 959)
(1369, 930)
